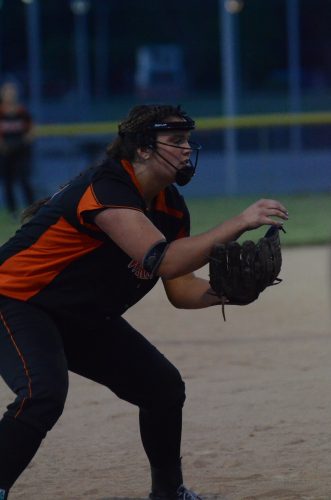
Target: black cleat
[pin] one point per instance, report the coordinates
(181, 494)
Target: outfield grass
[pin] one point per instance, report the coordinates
(309, 217)
(309, 222)
(7, 226)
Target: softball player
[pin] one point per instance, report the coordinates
(84, 257)
(15, 146)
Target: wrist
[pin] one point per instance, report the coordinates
(240, 224)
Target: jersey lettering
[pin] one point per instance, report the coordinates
(138, 271)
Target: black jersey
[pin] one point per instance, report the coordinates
(14, 126)
(61, 261)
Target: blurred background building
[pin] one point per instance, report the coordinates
(85, 62)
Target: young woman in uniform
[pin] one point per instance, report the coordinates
(86, 255)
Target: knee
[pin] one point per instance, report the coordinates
(44, 406)
(50, 404)
(170, 392)
(51, 397)
(176, 389)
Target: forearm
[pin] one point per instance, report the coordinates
(190, 292)
(186, 255)
(136, 235)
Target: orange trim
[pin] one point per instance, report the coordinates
(26, 273)
(90, 202)
(161, 206)
(87, 202)
(129, 169)
(11, 335)
(181, 233)
(160, 203)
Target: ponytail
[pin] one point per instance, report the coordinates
(32, 209)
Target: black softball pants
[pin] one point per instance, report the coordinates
(16, 169)
(36, 352)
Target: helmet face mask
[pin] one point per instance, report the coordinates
(183, 174)
(145, 125)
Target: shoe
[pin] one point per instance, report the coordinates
(185, 494)
(181, 494)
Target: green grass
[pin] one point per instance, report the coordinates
(309, 217)
(309, 222)
(8, 226)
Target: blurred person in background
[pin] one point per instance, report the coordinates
(15, 147)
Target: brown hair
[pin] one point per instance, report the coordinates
(32, 209)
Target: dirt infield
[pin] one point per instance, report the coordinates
(257, 416)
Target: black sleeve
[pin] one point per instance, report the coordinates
(109, 191)
(186, 227)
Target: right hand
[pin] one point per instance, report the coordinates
(261, 213)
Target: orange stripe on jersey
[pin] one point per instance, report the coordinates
(87, 202)
(26, 371)
(129, 169)
(90, 202)
(27, 272)
(161, 206)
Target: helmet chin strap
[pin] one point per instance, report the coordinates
(184, 174)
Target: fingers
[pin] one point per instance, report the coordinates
(263, 211)
(273, 208)
(278, 213)
(272, 222)
(273, 204)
